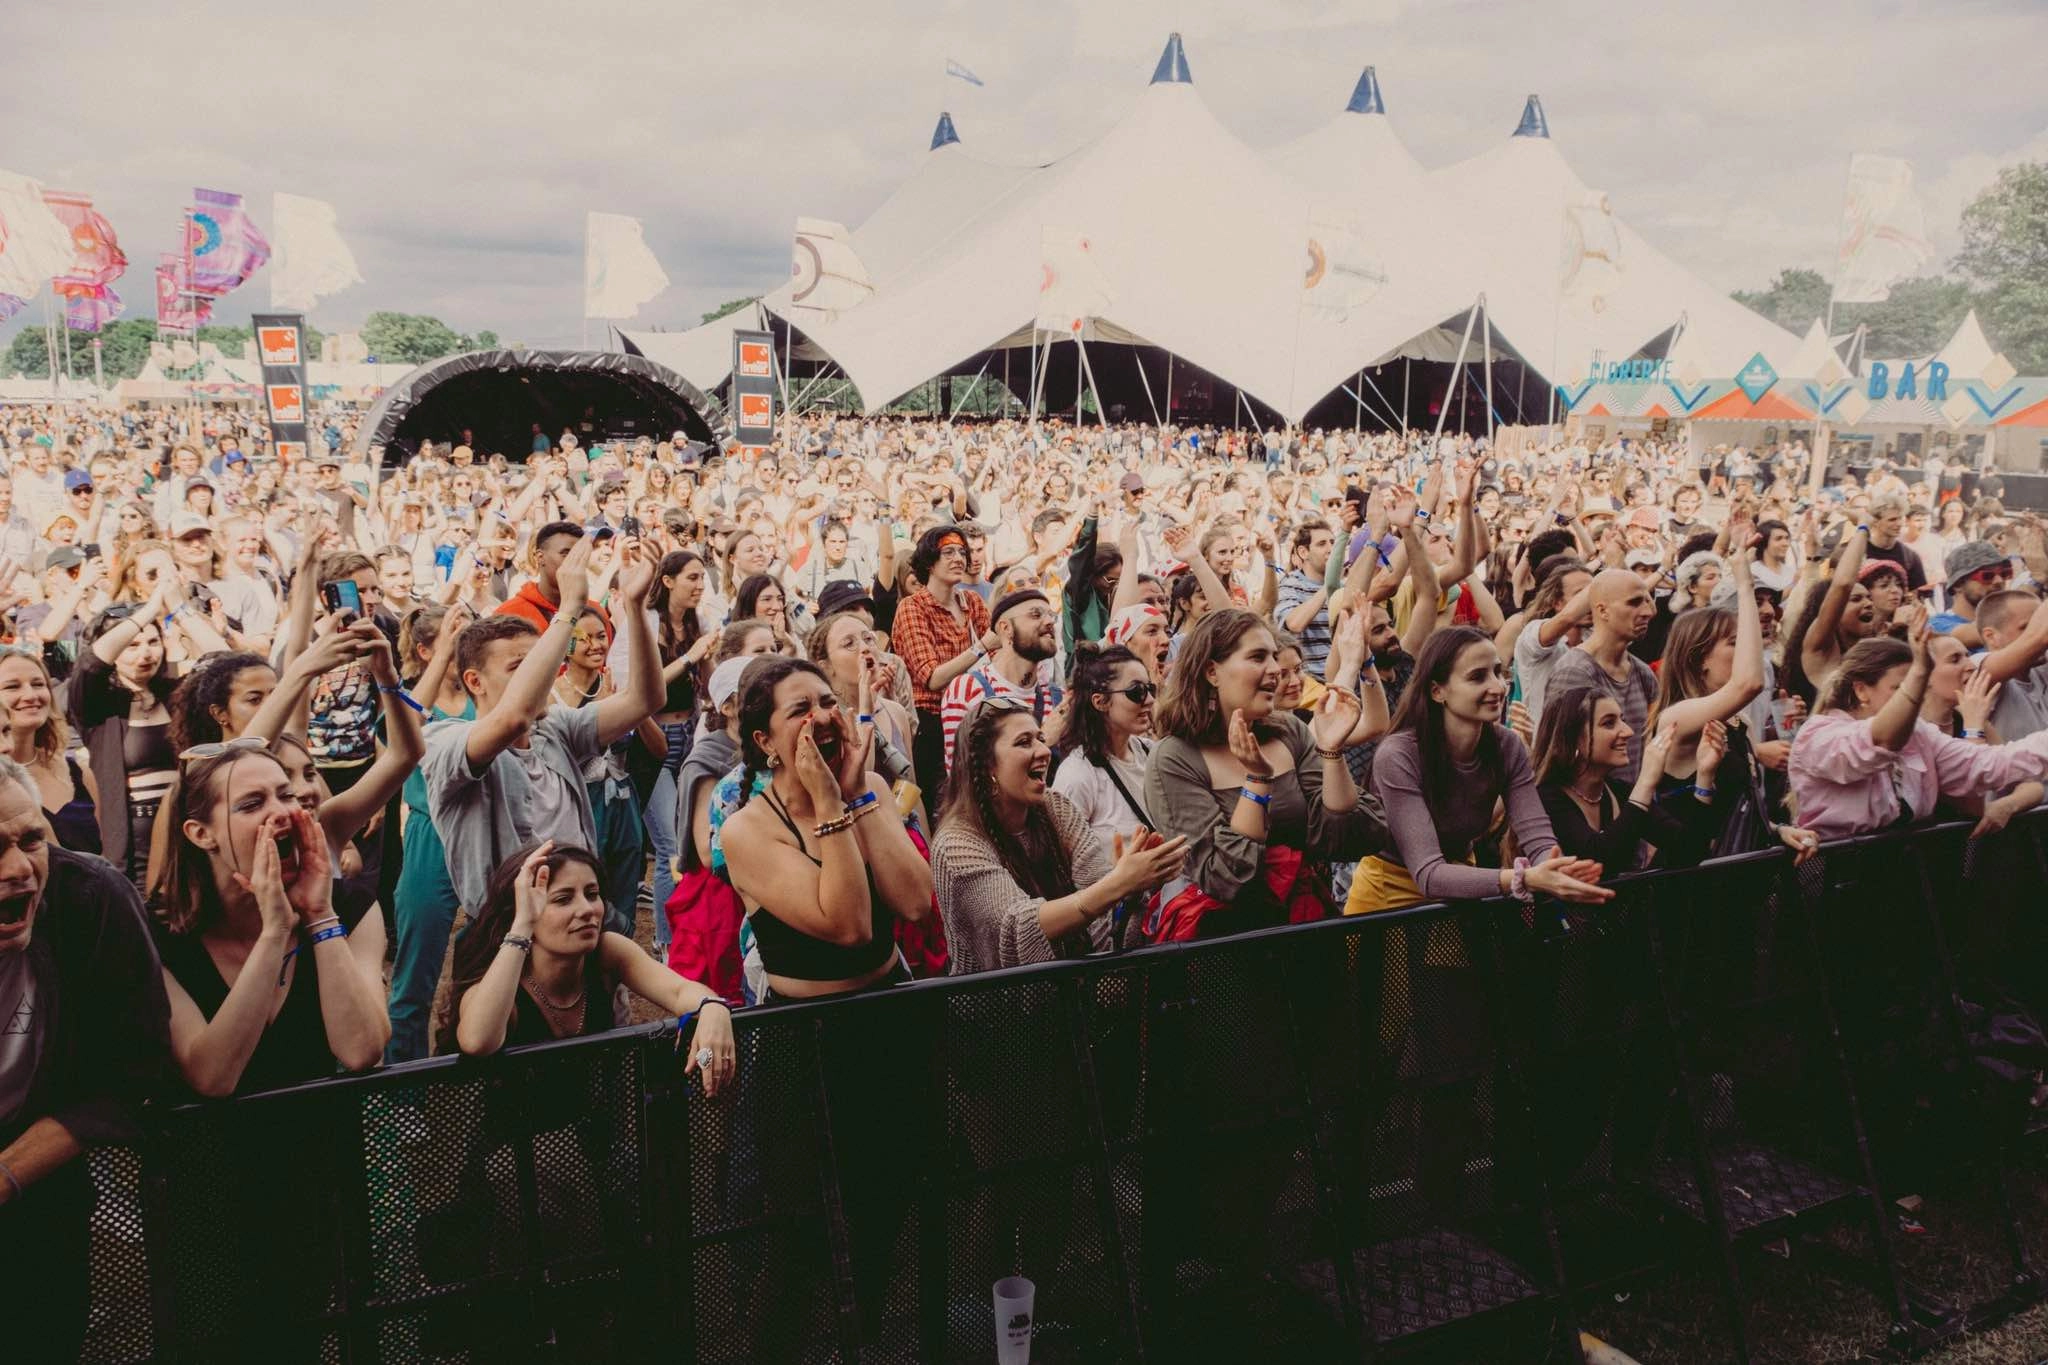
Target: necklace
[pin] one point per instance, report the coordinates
(1597, 800)
(556, 1006)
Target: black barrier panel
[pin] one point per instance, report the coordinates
(1442, 1130)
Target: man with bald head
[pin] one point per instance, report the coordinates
(1622, 609)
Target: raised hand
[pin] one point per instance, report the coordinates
(1146, 862)
(1337, 714)
(311, 888)
(1979, 699)
(1244, 746)
(817, 776)
(635, 572)
(530, 890)
(574, 577)
(265, 880)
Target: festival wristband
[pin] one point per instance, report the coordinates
(332, 931)
(865, 799)
(404, 696)
(1248, 794)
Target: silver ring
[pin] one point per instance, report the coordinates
(704, 1056)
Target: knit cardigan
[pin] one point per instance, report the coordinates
(991, 921)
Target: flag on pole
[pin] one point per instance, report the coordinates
(92, 307)
(1591, 265)
(178, 309)
(619, 272)
(1343, 272)
(225, 244)
(10, 304)
(1072, 287)
(1884, 232)
(825, 273)
(954, 68)
(96, 255)
(312, 260)
(35, 245)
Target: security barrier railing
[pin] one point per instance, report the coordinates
(1441, 1129)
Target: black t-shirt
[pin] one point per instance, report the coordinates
(1901, 554)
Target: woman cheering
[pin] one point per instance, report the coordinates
(1021, 875)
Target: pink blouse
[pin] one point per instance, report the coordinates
(1844, 782)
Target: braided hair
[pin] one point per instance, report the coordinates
(1035, 859)
(757, 708)
(1095, 669)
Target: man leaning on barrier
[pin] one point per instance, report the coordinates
(83, 1032)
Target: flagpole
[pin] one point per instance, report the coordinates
(1457, 367)
(50, 341)
(1488, 359)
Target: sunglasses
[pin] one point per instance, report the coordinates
(1994, 575)
(1138, 693)
(245, 744)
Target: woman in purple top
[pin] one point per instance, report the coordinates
(1438, 775)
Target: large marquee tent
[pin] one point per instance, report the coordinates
(1358, 256)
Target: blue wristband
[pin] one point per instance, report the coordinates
(1248, 794)
(861, 802)
(404, 696)
(331, 931)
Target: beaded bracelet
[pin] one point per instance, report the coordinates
(1329, 753)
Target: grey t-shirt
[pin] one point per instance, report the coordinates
(2022, 705)
(484, 816)
(1579, 669)
(21, 1033)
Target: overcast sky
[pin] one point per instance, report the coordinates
(462, 142)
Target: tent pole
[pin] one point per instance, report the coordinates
(1488, 358)
(1407, 370)
(1361, 401)
(1358, 413)
(1169, 387)
(1007, 390)
(1457, 367)
(1138, 356)
(1388, 402)
(1089, 369)
(970, 388)
(1080, 376)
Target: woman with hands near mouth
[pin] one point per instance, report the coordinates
(538, 965)
(267, 986)
(821, 861)
(1257, 793)
(1021, 875)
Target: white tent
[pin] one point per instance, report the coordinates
(1565, 277)
(1355, 255)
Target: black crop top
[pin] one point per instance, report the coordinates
(790, 952)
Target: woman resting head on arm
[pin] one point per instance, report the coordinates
(538, 963)
(1021, 876)
(1866, 760)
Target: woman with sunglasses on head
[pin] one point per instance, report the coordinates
(538, 964)
(40, 742)
(1021, 876)
(1107, 743)
(268, 988)
(120, 707)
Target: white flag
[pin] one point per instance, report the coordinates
(1884, 233)
(1072, 287)
(954, 68)
(344, 348)
(183, 357)
(824, 271)
(1342, 272)
(310, 261)
(34, 243)
(619, 272)
(1591, 267)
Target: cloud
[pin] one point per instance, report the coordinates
(462, 142)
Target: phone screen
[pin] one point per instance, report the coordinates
(341, 594)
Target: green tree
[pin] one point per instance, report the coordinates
(2005, 253)
(408, 338)
(124, 351)
(1793, 300)
(1918, 319)
(486, 340)
(733, 307)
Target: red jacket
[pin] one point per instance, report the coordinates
(530, 604)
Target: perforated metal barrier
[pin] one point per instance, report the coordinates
(1444, 1131)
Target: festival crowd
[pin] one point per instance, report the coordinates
(316, 767)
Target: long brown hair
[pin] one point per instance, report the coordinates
(183, 893)
(1035, 859)
(53, 736)
(1866, 662)
(1565, 734)
(1423, 715)
(479, 943)
(1188, 708)
(1682, 675)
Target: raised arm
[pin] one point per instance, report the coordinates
(2018, 655)
(1745, 678)
(345, 815)
(495, 730)
(1829, 619)
(645, 690)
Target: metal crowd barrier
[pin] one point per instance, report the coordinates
(1447, 1129)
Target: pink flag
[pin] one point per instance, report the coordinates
(91, 308)
(177, 308)
(10, 304)
(96, 256)
(225, 246)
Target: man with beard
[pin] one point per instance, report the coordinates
(1976, 569)
(1621, 612)
(84, 1028)
(1026, 628)
(1303, 606)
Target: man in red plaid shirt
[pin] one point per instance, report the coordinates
(939, 633)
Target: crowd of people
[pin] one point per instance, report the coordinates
(321, 766)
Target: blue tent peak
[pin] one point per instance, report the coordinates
(945, 133)
(1173, 64)
(1533, 123)
(1366, 98)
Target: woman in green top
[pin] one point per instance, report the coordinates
(423, 913)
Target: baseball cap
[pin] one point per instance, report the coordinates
(1968, 557)
(1643, 559)
(842, 594)
(188, 524)
(725, 679)
(64, 557)
(76, 478)
(1133, 482)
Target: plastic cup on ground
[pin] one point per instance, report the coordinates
(1014, 1295)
